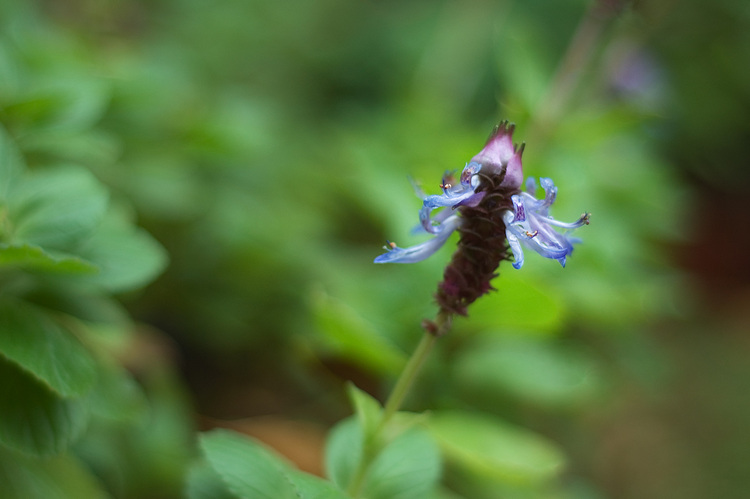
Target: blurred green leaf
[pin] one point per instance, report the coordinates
(203, 482)
(312, 487)
(41, 346)
(250, 470)
(127, 256)
(56, 208)
(116, 396)
(489, 447)
(34, 420)
(30, 257)
(343, 451)
(350, 335)
(253, 472)
(11, 165)
(531, 369)
(80, 102)
(408, 468)
(368, 410)
(89, 149)
(57, 103)
(61, 477)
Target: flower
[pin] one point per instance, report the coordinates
(498, 158)
(493, 217)
(530, 224)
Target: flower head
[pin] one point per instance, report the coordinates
(491, 214)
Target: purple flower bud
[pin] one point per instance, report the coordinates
(500, 155)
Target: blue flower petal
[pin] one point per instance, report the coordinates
(419, 252)
(530, 225)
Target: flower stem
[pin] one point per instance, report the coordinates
(408, 375)
(371, 445)
(577, 56)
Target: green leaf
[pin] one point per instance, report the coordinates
(34, 420)
(348, 334)
(11, 165)
(343, 451)
(489, 447)
(128, 257)
(249, 469)
(41, 346)
(312, 487)
(79, 102)
(58, 104)
(253, 472)
(368, 410)
(408, 468)
(203, 482)
(56, 208)
(116, 396)
(61, 477)
(34, 258)
(532, 369)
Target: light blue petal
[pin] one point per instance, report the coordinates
(450, 199)
(583, 220)
(419, 252)
(531, 186)
(550, 191)
(513, 241)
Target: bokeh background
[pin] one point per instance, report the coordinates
(267, 147)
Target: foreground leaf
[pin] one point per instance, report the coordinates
(368, 410)
(60, 477)
(252, 471)
(128, 257)
(34, 420)
(56, 208)
(116, 395)
(343, 451)
(407, 468)
(30, 257)
(30, 338)
(203, 482)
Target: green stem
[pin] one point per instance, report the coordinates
(408, 375)
(577, 56)
(371, 446)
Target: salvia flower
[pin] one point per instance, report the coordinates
(491, 214)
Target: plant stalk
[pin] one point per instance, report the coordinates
(371, 445)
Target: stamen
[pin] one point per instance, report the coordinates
(390, 245)
(532, 234)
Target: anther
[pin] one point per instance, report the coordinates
(531, 234)
(389, 245)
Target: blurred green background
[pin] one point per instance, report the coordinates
(266, 146)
